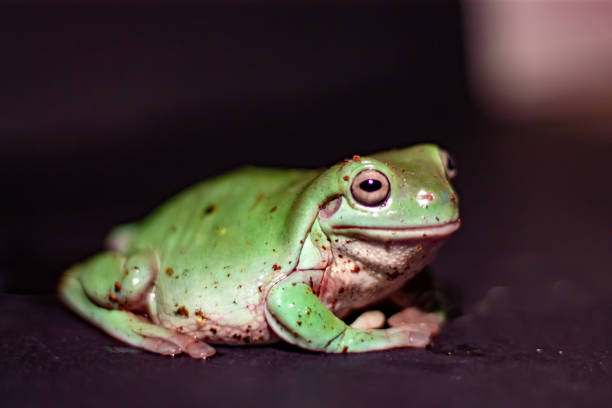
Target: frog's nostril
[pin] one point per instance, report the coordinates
(424, 197)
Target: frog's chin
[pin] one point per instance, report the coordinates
(434, 232)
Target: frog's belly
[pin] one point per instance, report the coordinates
(216, 317)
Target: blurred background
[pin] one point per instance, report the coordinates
(105, 112)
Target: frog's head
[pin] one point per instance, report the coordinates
(394, 210)
(396, 195)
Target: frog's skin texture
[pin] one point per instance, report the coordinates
(257, 255)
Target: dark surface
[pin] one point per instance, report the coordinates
(529, 271)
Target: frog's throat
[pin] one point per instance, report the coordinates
(399, 233)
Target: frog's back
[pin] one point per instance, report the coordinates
(222, 242)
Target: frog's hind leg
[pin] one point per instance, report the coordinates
(101, 291)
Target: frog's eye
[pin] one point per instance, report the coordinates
(449, 164)
(370, 187)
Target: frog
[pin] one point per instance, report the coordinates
(262, 255)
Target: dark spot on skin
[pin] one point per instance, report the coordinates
(237, 336)
(228, 275)
(112, 297)
(210, 209)
(239, 286)
(356, 158)
(301, 241)
(340, 256)
(182, 311)
(341, 290)
(117, 286)
(259, 289)
(289, 262)
(345, 349)
(261, 337)
(258, 198)
(393, 274)
(199, 314)
(276, 267)
(345, 178)
(293, 284)
(355, 269)
(234, 302)
(213, 330)
(299, 323)
(452, 197)
(273, 209)
(324, 247)
(169, 271)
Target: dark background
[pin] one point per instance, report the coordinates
(107, 112)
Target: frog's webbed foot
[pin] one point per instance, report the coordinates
(418, 320)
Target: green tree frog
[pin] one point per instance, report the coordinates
(260, 255)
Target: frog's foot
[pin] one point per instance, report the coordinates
(370, 319)
(177, 344)
(418, 320)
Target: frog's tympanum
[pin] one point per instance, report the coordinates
(260, 255)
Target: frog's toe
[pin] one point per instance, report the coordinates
(192, 346)
(199, 349)
(416, 319)
(371, 319)
(177, 344)
(161, 346)
(409, 336)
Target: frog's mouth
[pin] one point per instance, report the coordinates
(420, 232)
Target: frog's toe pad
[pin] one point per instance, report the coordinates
(421, 321)
(199, 349)
(371, 319)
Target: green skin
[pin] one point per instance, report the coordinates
(257, 255)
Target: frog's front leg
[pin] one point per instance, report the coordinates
(298, 316)
(105, 288)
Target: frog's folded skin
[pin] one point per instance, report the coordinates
(260, 255)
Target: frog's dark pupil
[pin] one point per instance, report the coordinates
(450, 164)
(370, 185)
